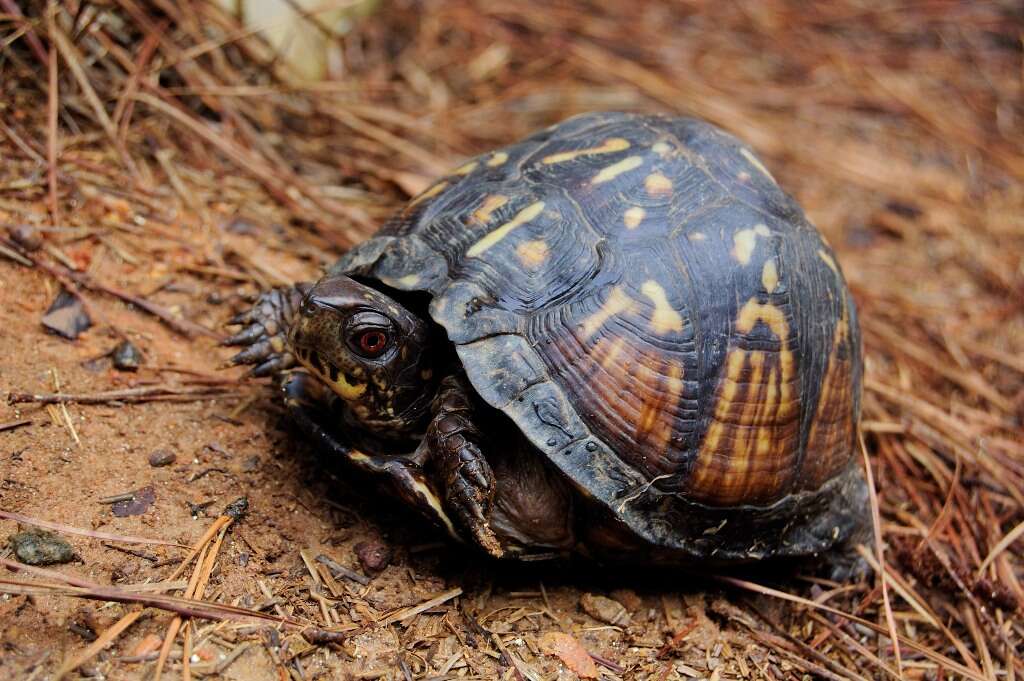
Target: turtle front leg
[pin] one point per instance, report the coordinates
(466, 477)
(264, 334)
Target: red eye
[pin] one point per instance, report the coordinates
(372, 343)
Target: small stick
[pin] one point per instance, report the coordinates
(68, 529)
(105, 639)
(14, 425)
(52, 108)
(183, 326)
(412, 611)
(146, 394)
(11, 7)
(338, 569)
(876, 519)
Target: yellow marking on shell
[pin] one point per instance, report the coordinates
(756, 162)
(657, 417)
(662, 149)
(608, 358)
(829, 260)
(609, 146)
(770, 276)
(664, 318)
(497, 159)
(744, 242)
(697, 236)
(749, 446)
(657, 184)
(357, 455)
(831, 435)
(492, 238)
(616, 303)
(633, 217)
(611, 172)
(428, 194)
(532, 253)
(490, 204)
(409, 280)
(466, 169)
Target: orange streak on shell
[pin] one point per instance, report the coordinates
(830, 443)
(748, 451)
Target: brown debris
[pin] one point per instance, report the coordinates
(604, 609)
(374, 555)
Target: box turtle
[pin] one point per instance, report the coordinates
(617, 337)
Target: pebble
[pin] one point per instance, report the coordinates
(27, 236)
(38, 547)
(161, 457)
(604, 609)
(374, 555)
(126, 356)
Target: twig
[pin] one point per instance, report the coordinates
(68, 529)
(51, 121)
(101, 642)
(147, 394)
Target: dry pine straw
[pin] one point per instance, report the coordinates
(137, 133)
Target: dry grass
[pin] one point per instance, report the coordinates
(134, 134)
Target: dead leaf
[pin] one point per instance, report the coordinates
(571, 652)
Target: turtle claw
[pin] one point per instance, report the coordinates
(263, 338)
(245, 336)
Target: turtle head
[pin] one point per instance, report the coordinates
(369, 350)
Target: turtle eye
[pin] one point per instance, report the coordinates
(369, 334)
(371, 342)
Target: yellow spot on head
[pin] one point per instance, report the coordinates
(608, 146)
(429, 193)
(611, 172)
(744, 242)
(490, 239)
(466, 169)
(487, 208)
(754, 161)
(829, 260)
(409, 280)
(532, 253)
(770, 276)
(633, 217)
(657, 184)
(664, 317)
(616, 303)
(497, 159)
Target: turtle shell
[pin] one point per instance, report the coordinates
(656, 315)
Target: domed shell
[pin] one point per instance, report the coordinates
(652, 310)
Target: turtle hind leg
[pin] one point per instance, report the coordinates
(845, 562)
